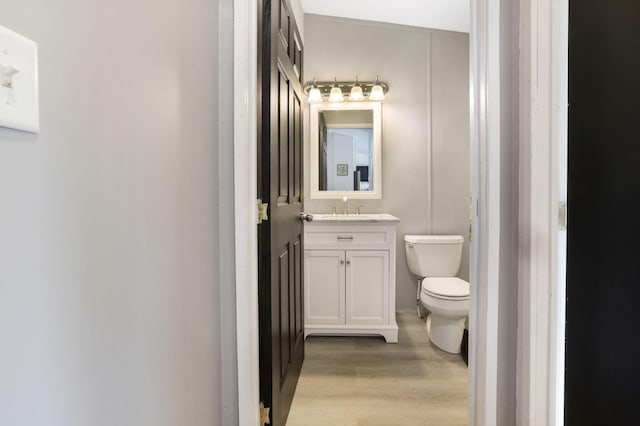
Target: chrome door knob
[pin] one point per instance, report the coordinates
(306, 217)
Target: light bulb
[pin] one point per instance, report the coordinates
(314, 95)
(356, 93)
(377, 93)
(336, 95)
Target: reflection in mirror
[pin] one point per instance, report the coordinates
(345, 150)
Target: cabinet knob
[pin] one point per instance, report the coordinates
(342, 262)
(348, 262)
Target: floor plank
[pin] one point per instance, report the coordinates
(363, 381)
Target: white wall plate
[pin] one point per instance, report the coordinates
(18, 82)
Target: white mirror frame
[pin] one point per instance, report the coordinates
(314, 143)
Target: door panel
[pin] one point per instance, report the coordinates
(298, 289)
(284, 334)
(296, 57)
(603, 319)
(325, 291)
(281, 237)
(284, 18)
(297, 149)
(367, 281)
(283, 136)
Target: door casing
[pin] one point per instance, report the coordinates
(537, 17)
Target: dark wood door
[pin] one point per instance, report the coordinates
(281, 286)
(603, 282)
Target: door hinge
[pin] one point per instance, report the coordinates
(562, 215)
(264, 415)
(262, 211)
(470, 229)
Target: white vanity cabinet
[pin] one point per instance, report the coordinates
(349, 273)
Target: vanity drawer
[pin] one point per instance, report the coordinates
(347, 240)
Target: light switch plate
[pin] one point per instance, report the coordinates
(19, 106)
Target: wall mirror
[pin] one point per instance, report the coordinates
(346, 150)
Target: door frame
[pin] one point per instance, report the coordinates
(541, 286)
(484, 62)
(544, 46)
(245, 161)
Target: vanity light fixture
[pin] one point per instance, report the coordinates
(377, 92)
(356, 92)
(336, 93)
(314, 93)
(333, 91)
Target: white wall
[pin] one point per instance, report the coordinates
(451, 15)
(339, 151)
(425, 123)
(109, 298)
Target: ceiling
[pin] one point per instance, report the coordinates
(452, 15)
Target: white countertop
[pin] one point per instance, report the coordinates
(354, 218)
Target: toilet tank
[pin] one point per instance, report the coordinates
(434, 255)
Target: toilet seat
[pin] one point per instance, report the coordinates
(446, 288)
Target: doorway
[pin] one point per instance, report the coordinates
(425, 166)
(485, 65)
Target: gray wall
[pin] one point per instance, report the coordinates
(425, 131)
(226, 279)
(508, 304)
(110, 309)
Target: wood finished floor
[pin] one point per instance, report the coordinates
(363, 381)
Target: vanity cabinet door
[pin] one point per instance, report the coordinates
(367, 287)
(324, 297)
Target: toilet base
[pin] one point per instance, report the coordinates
(446, 333)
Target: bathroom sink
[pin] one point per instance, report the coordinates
(364, 217)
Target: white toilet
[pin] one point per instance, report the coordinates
(435, 260)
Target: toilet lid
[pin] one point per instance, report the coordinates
(446, 287)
